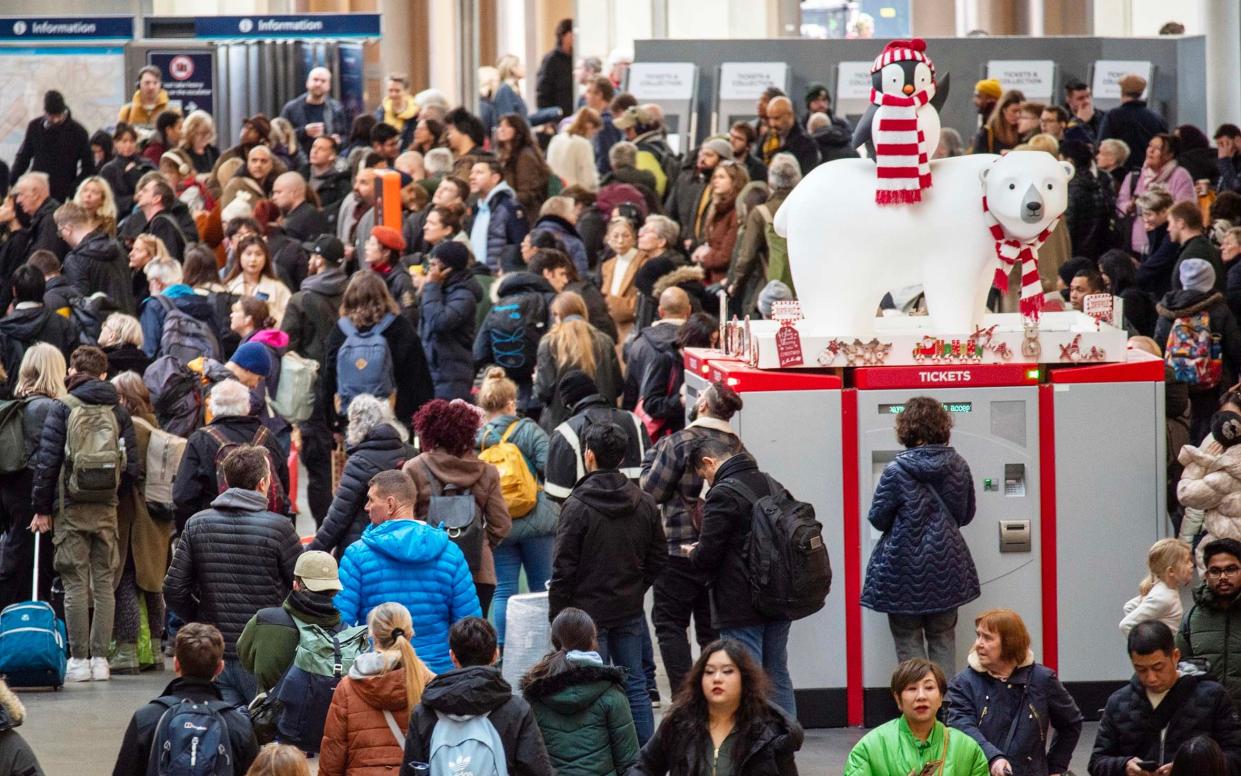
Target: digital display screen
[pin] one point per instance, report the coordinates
(955, 407)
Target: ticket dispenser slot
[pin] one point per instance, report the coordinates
(1014, 480)
(1014, 536)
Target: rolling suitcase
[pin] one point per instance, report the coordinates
(32, 640)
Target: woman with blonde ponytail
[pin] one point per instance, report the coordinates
(366, 724)
(573, 343)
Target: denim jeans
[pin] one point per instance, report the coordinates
(621, 645)
(535, 553)
(769, 644)
(939, 630)
(236, 685)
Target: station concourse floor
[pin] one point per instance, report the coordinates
(78, 730)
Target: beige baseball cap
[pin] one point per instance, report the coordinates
(318, 571)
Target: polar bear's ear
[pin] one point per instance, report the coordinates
(1068, 168)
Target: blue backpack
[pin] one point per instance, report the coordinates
(466, 747)
(191, 739)
(364, 362)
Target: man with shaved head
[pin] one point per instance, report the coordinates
(26, 217)
(302, 221)
(314, 113)
(784, 134)
(657, 339)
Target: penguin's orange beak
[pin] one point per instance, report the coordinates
(908, 89)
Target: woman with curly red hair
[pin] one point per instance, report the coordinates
(449, 466)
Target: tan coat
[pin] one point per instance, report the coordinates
(137, 532)
(483, 480)
(622, 306)
(356, 738)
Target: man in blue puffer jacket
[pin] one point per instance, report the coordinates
(402, 559)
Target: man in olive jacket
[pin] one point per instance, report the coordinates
(1208, 630)
(269, 642)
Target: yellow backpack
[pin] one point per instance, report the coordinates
(517, 482)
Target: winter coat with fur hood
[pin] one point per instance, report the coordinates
(16, 756)
(1211, 482)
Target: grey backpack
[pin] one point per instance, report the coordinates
(466, 747)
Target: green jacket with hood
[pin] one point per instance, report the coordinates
(1208, 632)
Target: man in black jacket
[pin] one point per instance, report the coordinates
(302, 220)
(566, 461)
(314, 113)
(195, 486)
(95, 261)
(554, 83)
(720, 554)
(1132, 122)
(786, 135)
(659, 337)
(609, 550)
(475, 688)
(232, 560)
(31, 321)
(197, 659)
(85, 521)
(156, 213)
(58, 292)
(1148, 719)
(30, 225)
(308, 320)
(58, 145)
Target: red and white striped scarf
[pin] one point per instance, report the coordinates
(901, 154)
(1010, 253)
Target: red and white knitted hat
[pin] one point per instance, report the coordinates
(902, 51)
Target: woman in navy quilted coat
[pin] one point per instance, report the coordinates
(921, 569)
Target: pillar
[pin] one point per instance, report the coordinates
(1222, 21)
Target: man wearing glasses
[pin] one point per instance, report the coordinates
(1212, 628)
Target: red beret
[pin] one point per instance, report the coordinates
(389, 238)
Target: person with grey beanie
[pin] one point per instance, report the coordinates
(1203, 340)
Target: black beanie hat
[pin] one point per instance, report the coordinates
(814, 90)
(649, 273)
(452, 254)
(575, 386)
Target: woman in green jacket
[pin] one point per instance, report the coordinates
(915, 743)
(580, 703)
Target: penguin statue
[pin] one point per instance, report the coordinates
(902, 122)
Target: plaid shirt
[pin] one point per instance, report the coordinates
(677, 490)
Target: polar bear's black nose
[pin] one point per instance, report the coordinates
(1034, 207)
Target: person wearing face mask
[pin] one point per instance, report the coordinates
(916, 742)
(724, 723)
(1146, 721)
(1007, 702)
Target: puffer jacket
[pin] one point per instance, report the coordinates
(892, 750)
(584, 716)
(16, 756)
(469, 692)
(984, 707)
(31, 325)
(770, 753)
(532, 441)
(720, 551)
(508, 226)
(922, 565)
(483, 481)
(98, 264)
(231, 561)
(417, 566)
(381, 450)
(609, 550)
(1207, 632)
(1211, 482)
(1131, 728)
(195, 485)
(51, 455)
(447, 331)
(356, 738)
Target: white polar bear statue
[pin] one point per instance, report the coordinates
(845, 251)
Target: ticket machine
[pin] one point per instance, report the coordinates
(1068, 470)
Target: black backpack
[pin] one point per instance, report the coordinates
(790, 573)
(458, 512)
(514, 326)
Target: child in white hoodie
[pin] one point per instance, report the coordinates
(1171, 564)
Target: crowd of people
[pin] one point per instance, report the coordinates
(492, 387)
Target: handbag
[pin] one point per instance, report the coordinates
(264, 714)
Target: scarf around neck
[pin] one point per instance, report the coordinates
(902, 158)
(1010, 252)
